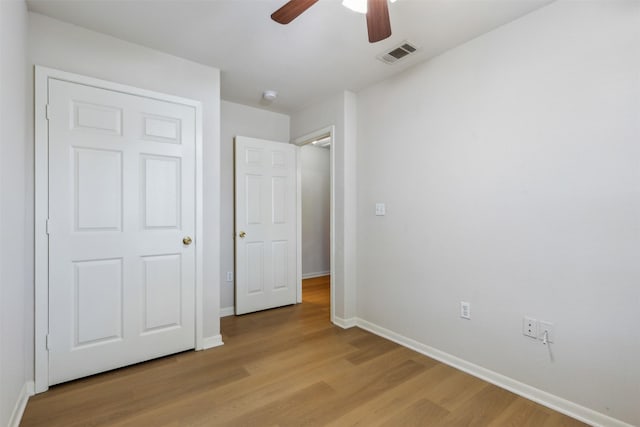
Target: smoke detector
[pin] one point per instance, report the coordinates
(270, 95)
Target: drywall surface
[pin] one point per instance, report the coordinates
(237, 119)
(16, 266)
(70, 48)
(510, 171)
(339, 111)
(316, 193)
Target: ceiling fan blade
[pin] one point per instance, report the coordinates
(291, 10)
(378, 22)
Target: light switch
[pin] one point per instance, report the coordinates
(381, 209)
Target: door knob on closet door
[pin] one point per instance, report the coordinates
(242, 234)
(187, 240)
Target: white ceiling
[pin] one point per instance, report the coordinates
(323, 51)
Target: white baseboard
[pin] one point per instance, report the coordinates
(227, 311)
(210, 342)
(314, 275)
(18, 410)
(544, 398)
(345, 323)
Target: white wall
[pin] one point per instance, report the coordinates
(340, 111)
(237, 119)
(16, 266)
(510, 168)
(316, 193)
(70, 48)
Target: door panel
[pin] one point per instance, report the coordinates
(161, 191)
(96, 118)
(162, 288)
(97, 189)
(122, 197)
(98, 301)
(255, 267)
(265, 212)
(279, 251)
(279, 199)
(253, 191)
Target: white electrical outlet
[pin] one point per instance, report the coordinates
(381, 209)
(530, 327)
(545, 328)
(229, 276)
(465, 310)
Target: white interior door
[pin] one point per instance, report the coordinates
(265, 224)
(121, 201)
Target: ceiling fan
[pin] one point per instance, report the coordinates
(378, 23)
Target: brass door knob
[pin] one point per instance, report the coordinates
(187, 240)
(242, 234)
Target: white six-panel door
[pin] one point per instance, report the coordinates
(121, 201)
(265, 224)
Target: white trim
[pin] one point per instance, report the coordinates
(314, 275)
(210, 342)
(41, 240)
(21, 404)
(227, 311)
(345, 323)
(298, 225)
(332, 226)
(303, 140)
(549, 400)
(199, 231)
(42, 76)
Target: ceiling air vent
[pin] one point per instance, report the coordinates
(403, 50)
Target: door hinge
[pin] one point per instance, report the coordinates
(47, 113)
(48, 226)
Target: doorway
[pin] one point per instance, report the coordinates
(316, 211)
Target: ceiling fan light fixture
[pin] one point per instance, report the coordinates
(376, 11)
(359, 6)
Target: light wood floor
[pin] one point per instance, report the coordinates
(289, 367)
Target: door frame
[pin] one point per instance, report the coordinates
(41, 254)
(300, 142)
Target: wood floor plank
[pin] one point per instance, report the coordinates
(287, 410)
(288, 367)
(456, 388)
(370, 350)
(395, 400)
(366, 389)
(482, 408)
(521, 413)
(419, 414)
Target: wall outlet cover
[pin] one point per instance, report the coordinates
(530, 327)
